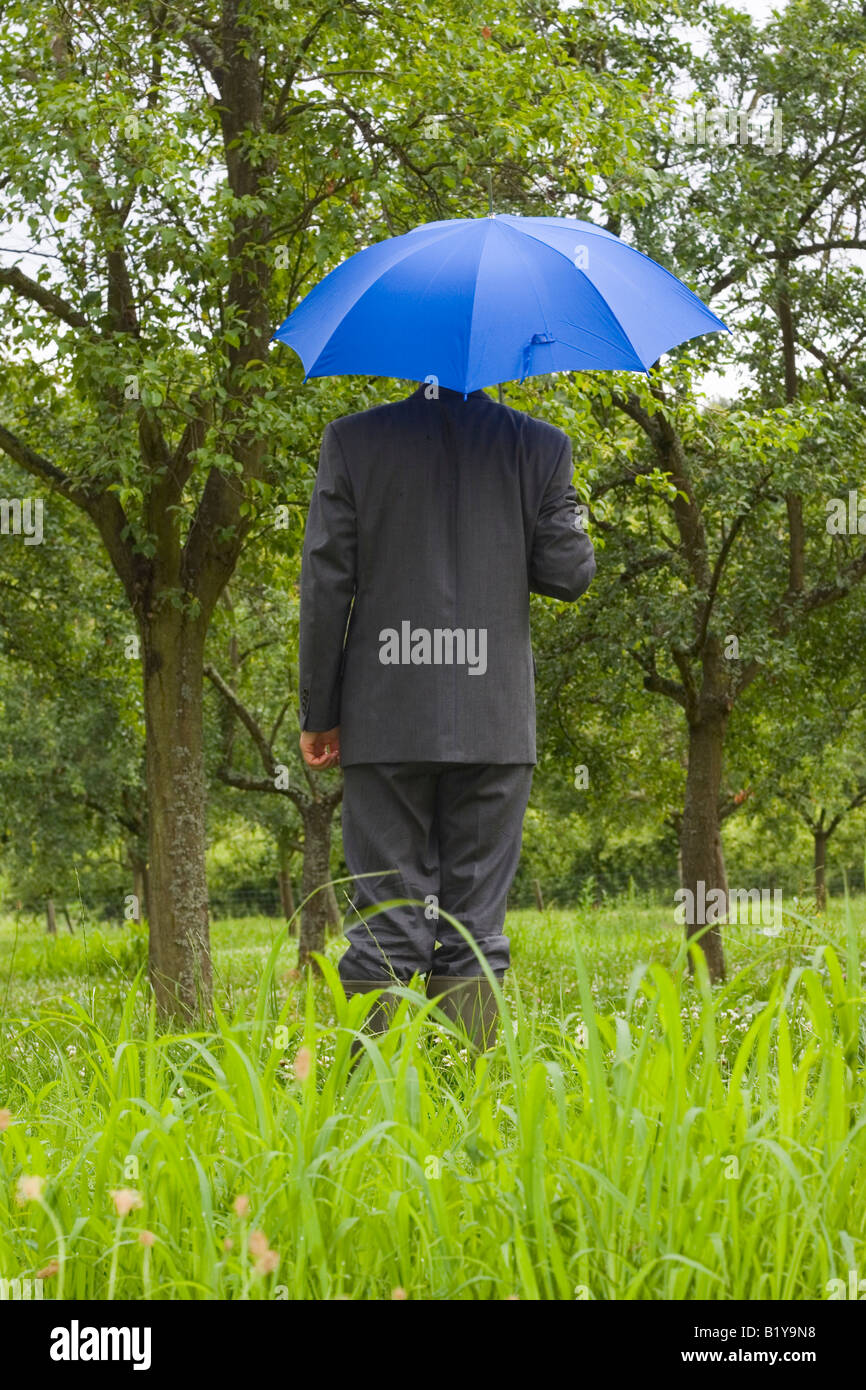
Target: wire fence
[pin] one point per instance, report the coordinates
(119, 908)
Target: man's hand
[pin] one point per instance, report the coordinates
(321, 750)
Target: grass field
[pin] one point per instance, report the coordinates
(633, 1135)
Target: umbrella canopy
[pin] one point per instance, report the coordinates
(476, 301)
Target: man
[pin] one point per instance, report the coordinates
(431, 522)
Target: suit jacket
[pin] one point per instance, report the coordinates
(430, 524)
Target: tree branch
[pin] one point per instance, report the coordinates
(246, 717)
(40, 467)
(661, 685)
(47, 299)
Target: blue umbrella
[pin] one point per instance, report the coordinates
(475, 301)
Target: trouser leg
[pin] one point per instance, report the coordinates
(389, 842)
(479, 821)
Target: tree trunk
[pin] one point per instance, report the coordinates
(821, 838)
(700, 835)
(139, 886)
(50, 918)
(287, 894)
(335, 916)
(180, 963)
(317, 871)
(65, 911)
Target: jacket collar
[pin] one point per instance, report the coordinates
(445, 393)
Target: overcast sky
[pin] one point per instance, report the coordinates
(759, 9)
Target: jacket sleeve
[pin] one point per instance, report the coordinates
(562, 560)
(328, 581)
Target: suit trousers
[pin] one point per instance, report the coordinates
(446, 835)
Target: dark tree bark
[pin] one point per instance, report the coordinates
(821, 836)
(180, 965)
(287, 892)
(822, 830)
(50, 918)
(701, 833)
(317, 816)
(139, 884)
(335, 916)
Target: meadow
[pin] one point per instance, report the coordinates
(635, 1134)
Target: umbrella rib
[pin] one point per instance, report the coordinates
(587, 229)
(490, 222)
(625, 337)
(531, 278)
(418, 244)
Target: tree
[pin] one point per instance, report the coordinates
(712, 520)
(71, 748)
(802, 748)
(187, 171)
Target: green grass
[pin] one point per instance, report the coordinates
(634, 1134)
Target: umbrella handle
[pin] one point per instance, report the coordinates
(537, 340)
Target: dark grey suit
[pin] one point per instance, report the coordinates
(431, 522)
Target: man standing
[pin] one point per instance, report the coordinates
(431, 522)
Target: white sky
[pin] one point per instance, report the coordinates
(760, 10)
